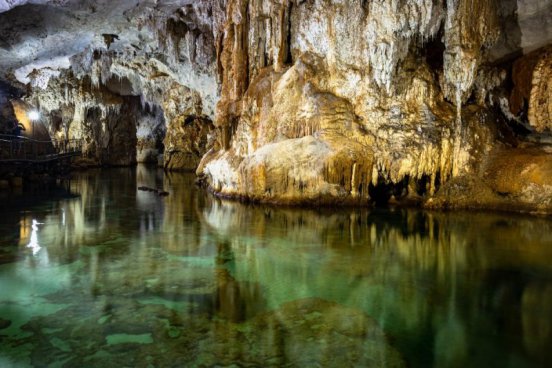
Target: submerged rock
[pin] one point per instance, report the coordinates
(117, 339)
(306, 332)
(4, 323)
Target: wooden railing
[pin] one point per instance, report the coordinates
(21, 149)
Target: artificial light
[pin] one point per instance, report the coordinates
(34, 115)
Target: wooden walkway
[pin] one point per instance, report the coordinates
(14, 150)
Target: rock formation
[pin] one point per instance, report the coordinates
(532, 93)
(311, 102)
(327, 101)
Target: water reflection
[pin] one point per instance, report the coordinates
(444, 285)
(33, 242)
(201, 281)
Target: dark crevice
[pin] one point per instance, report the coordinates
(400, 189)
(385, 191)
(289, 57)
(422, 185)
(381, 192)
(433, 51)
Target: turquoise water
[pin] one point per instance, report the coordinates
(99, 274)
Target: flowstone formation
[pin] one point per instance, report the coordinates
(316, 102)
(354, 102)
(326, 101)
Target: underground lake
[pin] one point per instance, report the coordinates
(96, 273)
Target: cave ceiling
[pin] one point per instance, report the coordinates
(45, 34)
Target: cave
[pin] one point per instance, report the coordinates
(275, 183)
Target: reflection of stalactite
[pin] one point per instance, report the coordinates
(435, 275)
(536, 307)
(225, 254)
(234, 301)
(425, 256)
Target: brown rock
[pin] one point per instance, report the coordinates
(532, 90)
(189, 131)
(146, 151)
(518, 179)
(525, 174)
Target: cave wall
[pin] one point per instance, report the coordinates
(106, 122)
(170, 66)
(532, 92)
(189, 132)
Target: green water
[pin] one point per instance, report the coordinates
(100, 274)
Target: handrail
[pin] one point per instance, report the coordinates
(10, 137)
(16, 148)
(22, 137)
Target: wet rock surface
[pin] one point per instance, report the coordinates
(317, 112)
